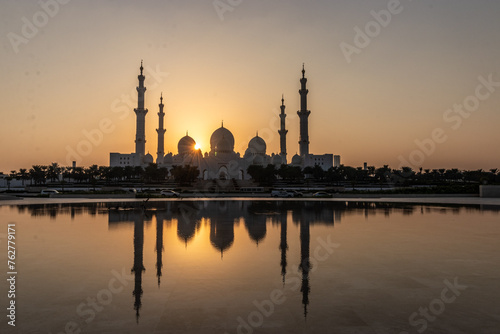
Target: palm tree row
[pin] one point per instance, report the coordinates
(372, 175)
(38, 174)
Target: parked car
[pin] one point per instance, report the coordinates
(169, 193)
(281, 193)
(49, 191)
(322, 194)
(297, 193)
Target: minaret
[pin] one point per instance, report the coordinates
(283, 246)
(161, 133)
(140, 135)
(283, 131)
(303, 114)
(159, 247)
(305, 264)
(138, 267)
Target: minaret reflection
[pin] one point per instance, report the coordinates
(159, 247)
(305, 264)
(283, 244)
(138, 267)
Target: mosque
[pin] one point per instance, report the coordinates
(221, 162)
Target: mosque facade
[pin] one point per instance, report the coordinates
(221, 162)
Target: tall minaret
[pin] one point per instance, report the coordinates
(140, 135)
(303, 114)
(283, 131)
(161, 133)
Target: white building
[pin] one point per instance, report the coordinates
(336, 161)
(221, 162)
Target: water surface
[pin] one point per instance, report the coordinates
(253, 267)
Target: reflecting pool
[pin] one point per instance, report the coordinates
(238, 266)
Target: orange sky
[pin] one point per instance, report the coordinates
(81, 68)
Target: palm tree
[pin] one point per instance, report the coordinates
(37, 174)
(151, 173)
(78, 174)
(10, 177)
(138, 172)
(23, 174)
(116, 173)
(128, 172)
(53, 171)
(66, 172)
(105, 173)
(92, 174)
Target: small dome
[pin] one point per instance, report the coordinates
(297, 160)
(248, 154)
(148, 159)
(277, 160)
(217, 136)
(257, 145)
(168, 159)
(186, 145)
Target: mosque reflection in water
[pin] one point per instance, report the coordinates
(222, 217)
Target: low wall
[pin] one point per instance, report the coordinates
(8, 198)
(489, 191)
(98, 196)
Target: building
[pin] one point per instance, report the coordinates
(221, 162)
(336, 161)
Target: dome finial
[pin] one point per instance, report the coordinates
(141, 67)
(161, 97)
(222, 124)
(282, 99)
(187, 133)
(303, 70)
(257, 133)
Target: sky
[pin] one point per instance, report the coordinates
(401, 83)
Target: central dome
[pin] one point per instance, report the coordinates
(223, 146)
(217, 137)
(186, 145)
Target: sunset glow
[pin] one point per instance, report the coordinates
(378, 105)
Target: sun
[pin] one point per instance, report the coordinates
(197, 147)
